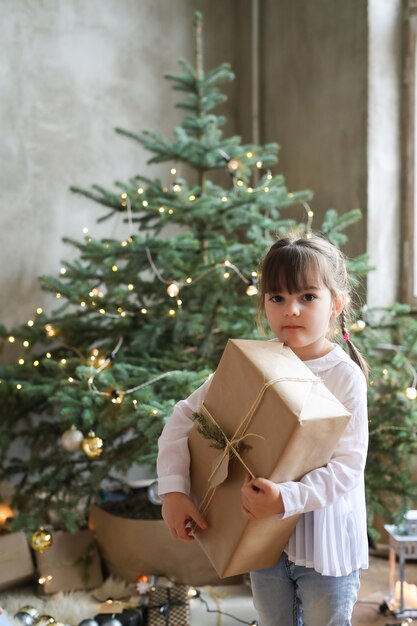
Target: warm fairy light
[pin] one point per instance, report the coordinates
(227, 263)
(250, 189)
(254, 274)
(144, 311)
(173, 290)
(224, 199)
(173, 171)
(70, 379)
(179, 302)
(192, 197)
(361, 324)
(240, 183)
(140, 190)
(85, 230)
(21, 361)
(63, 361)
(249, 155)
(11, 339)
(50, 330)
(130, 287)
(233, 164)
(58, 295)
(192, 593)
(92, 358)
(135, 402)
(102, 311)
(266, 189)
(114, 268)
(83, 304)
(189, 280)
(123, 243)
(310, 213)
(251, 290)
(35, 363)
(177, 187)
(48, 355)
(6, 513)
(18, 386)
(145, 203)
(26, 344)
(30, 323)
(411, 393)
(161, 209)
(226, 274)
(154, 411)
(39, 310)
(259, 164)
(123, 195)
(62, 271)
(170, 211)
(172, 312)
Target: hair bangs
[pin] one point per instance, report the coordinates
(293, 269)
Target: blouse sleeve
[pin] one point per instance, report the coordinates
(324, 486)
(173, 462)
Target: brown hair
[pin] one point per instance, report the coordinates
(292, 260)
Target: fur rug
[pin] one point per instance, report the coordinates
(66, 608)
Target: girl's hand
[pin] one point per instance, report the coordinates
(260, 498)
(180, 515)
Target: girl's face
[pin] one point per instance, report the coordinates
(301, 319)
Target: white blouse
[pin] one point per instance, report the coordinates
(331, 534)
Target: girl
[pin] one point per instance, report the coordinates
(304, 295)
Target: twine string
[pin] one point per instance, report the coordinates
(240, 434)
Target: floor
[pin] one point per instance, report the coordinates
(375, 591)
(237, 602)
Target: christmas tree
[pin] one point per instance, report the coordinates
(142, 322)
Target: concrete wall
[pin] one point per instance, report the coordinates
(72, 70)
(314, 90)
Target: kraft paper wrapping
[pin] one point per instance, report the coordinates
(72, 562)
(135, 547)
(264, 395)
(16, 564)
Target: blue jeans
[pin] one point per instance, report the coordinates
(293, 595)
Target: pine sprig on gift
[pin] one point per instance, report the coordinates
(210, 430)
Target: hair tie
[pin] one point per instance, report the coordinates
(346, 336)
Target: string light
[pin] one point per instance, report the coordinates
(173, 290)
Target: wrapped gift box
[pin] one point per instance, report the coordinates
(134, 547)
(72, 562)
(16, 564)
(169, 606)
(263, 396)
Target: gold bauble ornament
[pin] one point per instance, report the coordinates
(71, 439)
(92, 446)
(26, 615)
(44, 620)
(41, 540)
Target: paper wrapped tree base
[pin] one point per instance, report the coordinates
(72, 562)
(16, 564)
(264, 397)
(169, 606)
(135, 547)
